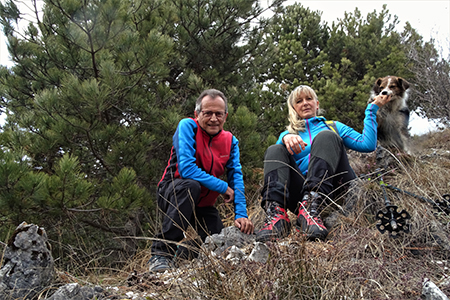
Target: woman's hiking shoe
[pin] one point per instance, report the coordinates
(277, 224)
(159, 263)
(308, 219)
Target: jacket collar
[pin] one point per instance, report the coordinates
(204, 131)
(316, 119)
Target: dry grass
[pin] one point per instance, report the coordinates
(356, 262)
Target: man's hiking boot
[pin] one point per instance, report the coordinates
(308, 219)
(277, 224)
(159, 263)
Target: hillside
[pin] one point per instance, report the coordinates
(357, 261)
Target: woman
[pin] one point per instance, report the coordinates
(308, 164)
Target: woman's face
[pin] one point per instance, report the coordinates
(306, 106)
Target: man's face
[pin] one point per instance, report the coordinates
(213, 115)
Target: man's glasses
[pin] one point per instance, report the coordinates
(208, 114)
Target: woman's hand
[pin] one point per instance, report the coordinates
(294, 143)
(381, 100)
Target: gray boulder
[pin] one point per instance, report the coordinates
(430, 291)
(28, 266)
(229, 236)
(73, 291)
(260, 253)
(230, 243)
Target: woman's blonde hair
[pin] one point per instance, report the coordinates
(296, 123)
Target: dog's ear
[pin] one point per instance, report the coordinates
(404, 83)
(377, 86)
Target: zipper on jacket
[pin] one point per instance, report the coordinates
(309, 131)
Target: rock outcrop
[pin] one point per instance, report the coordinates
(73, 291)
(28, 266)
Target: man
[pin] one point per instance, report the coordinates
(190, 185)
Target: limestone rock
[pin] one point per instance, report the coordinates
(229, 236)
(431, 292)
(74, 291)
(28, 266)
(260, 253)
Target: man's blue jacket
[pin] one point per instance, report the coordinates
(198, 156)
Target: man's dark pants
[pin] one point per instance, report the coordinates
(178, 201)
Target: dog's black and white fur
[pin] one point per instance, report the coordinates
(393, 117)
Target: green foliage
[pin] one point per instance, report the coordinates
(217, 44)
(359, 52)
(71, 207)
(98, 88)
(68, 187)
(300, 38)
(82, 98)
(96, 106)
(20, 191)
(341, 63)
(123, 193)
(243, 124)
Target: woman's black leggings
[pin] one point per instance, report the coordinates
(328, 171)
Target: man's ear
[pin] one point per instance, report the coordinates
(196, 114)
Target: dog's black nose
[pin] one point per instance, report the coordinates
(386, 92)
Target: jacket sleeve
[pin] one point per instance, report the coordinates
(280, 138)
(184, 144)
(236, 181)
(365, 141)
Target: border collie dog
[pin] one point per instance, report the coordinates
(393, 117)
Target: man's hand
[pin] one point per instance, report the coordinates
(228, 196)
(245, 225)
(294, 143)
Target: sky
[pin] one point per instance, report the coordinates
(431, 19)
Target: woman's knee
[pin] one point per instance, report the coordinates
(327, 139)
(276, 151)
(327, 135)
(329, 147)
(276, 157)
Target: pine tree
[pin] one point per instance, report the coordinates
(99, 86)
(300, 37)
(296, 41)
(217, 43)
(95, 94)
(88, 81)
(359, 51)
